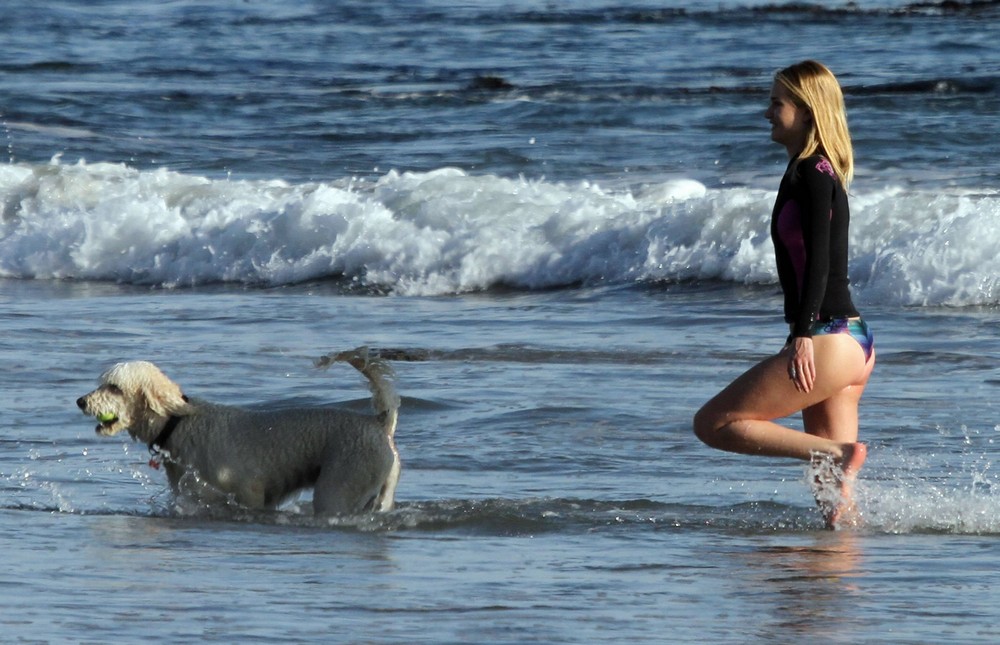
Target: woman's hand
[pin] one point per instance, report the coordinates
(802, 364)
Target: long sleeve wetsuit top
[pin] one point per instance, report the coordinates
(809, 228)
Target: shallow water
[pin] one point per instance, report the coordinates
(551, 489)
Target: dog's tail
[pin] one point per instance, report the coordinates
(380, 377)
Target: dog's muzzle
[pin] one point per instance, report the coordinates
(105, 421)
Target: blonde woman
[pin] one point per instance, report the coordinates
(824, 366)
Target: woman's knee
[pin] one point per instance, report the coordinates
(705, 424)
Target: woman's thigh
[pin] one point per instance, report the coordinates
(836, 417)
(765, 391)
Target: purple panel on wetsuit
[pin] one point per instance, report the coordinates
(790, 232)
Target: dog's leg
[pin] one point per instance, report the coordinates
(334, 494)
(387, 496)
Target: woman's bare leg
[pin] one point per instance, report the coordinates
(836, 419)
(740, 418)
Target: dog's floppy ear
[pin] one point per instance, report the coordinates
(163, 397)
(166, 403)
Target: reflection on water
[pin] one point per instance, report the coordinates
(810, 586)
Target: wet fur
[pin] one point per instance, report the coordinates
(259, 458)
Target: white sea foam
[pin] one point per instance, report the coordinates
(448, 231)
(898, 496)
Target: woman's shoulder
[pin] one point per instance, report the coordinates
(814, 173)
(817, 164)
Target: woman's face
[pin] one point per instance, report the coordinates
(790, 122)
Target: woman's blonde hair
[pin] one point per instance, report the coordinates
(816, 88)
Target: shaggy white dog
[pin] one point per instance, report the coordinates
(259, 458)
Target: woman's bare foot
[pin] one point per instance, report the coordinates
(844, 510)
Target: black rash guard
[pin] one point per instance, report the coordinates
(809, 226)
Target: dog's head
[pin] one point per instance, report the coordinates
(133, 396)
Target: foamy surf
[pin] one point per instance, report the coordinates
(448, 231)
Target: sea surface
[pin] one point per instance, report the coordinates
(551, 216)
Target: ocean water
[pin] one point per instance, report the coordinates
(552, 218)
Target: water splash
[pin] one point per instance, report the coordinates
(932, 493)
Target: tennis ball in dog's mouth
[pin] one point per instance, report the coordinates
(104, 417)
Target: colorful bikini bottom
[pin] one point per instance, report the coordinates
(856, 327)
